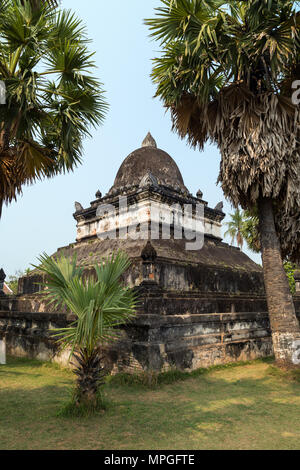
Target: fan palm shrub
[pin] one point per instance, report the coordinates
(101, 304)
(52, 96)
(226, 73)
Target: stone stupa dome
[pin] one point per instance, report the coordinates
(149, 159)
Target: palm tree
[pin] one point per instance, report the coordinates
(52, 99)
(235, 228)
(100, 304)
(250, 231)
(225, 74)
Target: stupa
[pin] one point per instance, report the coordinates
(198, 307)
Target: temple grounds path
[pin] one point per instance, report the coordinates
(244, 407)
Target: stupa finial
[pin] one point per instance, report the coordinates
(149, 141)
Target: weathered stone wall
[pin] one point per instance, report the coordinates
(151, 342)
(217, 268)
(204, 278)
(192, 341)
(159, 303)
(180, 303)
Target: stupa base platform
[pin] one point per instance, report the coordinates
(151, 342)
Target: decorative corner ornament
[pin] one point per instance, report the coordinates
(199, 194)
(149, 180)
(78, 207)
(219, 207)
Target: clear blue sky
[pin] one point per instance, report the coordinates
(41, 220)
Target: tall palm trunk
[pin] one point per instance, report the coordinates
(284, 324)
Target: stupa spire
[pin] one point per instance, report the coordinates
(149, 141)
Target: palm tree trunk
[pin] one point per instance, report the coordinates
(90, 376)
(284, 324)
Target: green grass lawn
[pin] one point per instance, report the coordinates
(244, 407)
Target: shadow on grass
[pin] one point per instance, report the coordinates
(23, 366)
(31, 404)
(32, 363)
(290, 374)
(23, 362)
(210, 411)
(153, 379)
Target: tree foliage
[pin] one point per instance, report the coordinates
(13, 280)
(52, 97)
(101, 305)
(250, 230)
(290, 269)
(225, 73)
(251, 235)
(235, 228)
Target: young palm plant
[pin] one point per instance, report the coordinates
(101, 305)
(52, 98)
(226, 74)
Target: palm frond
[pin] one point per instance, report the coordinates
(44, 121)
(225, 74)
(101, 304)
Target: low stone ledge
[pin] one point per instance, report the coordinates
(150, 342)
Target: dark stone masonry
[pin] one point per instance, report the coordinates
(197, 308)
